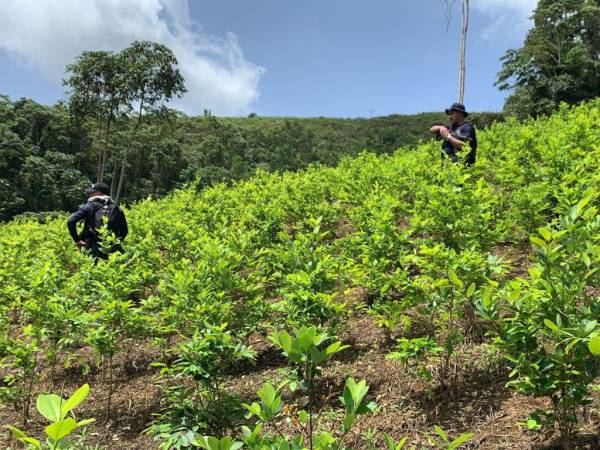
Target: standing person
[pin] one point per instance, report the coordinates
(455, 135)
(93, 213)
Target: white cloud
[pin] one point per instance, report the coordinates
(510, 18)
(47, 35)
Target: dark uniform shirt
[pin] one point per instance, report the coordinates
(466, 133)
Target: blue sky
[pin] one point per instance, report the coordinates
(340, 58)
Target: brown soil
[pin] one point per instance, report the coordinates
(476, 400)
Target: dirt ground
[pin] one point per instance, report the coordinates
(477, 402)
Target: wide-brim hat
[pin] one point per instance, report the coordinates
(98, 187)
(457, 107)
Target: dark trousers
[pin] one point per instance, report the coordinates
(94, 249)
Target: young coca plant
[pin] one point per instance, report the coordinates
(546, 325)
(195, 400)
(307, 350)
(271, 410)
(448, 293)
(444, 442)
(59, 412)
(22, 361)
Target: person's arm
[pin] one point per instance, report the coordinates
(466, 135)
(455, 142)
(77, 217)
(437, 130)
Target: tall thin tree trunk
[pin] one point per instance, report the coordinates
(463, 49)
(131, 139)
(113, 183)
(99, 166)
(104, 157)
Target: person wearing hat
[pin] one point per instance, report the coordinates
(98, 209)
(457, 134)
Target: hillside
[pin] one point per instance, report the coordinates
(469, 277)
(47, 157)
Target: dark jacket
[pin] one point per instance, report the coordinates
(466, 133)
(87, 213)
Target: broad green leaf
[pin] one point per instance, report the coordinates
(594, 344)
(585, 201)
(60, 429)
(389, 442)
(74, 400)
(348, 422)
(23, 437)
(537, 242)
(401, 443)
(49, 406)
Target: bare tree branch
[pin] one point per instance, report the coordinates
(448, 4)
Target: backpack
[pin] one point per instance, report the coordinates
(102, 211)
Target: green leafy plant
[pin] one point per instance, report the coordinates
(204, 405)
(444, 442)
(59, 412)
(547, 325)
(270, 411)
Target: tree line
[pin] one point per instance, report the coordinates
(47, 156)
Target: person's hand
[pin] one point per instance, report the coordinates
(80, 244)
(444, 132)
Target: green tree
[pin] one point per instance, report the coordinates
(559, 61)
(95, 89)
(151, 79)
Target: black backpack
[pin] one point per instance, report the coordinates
(100, 212)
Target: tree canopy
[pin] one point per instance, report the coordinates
(559, 61)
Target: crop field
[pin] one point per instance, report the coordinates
(391, 302)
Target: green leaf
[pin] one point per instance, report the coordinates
(303, 416)
(389, 442)
(537, 242)
(460, 440)
(546, 233)
(84, 422)
(60, 429)
(348, 422)
(16, 432)
(471, 289)
(584, 201)
(441, 433)
(551, 325)
(209, 443)
(24, 438)
(532, 424)
(49, 406)
(594, 344)
(74, 400)
(323, 440)
(454, 279)
(401, 443)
